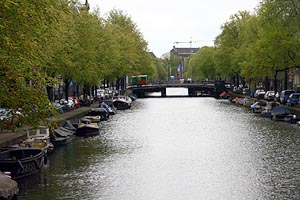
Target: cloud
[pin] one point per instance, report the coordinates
(162, 22)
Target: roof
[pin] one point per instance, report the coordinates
(152, 54)
(185, 52)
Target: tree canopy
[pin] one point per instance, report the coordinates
(43, 42)
(255, 46)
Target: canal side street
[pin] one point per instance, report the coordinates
(9, 138)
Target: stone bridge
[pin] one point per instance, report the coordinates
(194, 89)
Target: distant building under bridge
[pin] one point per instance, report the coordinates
(182, 53)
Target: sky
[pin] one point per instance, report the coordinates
(191, 23)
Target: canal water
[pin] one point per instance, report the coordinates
(176, 149)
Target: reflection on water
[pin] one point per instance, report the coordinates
(177, 148)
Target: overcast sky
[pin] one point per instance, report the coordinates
(164, 22)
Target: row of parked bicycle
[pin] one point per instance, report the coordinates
(285, 97)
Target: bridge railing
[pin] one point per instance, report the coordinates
(176, 82)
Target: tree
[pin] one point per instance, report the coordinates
(130, 49)
(160, 70)
(25, 28)
(279, 35)
(201, 65)
(228, 57)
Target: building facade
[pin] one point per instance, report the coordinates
(183, 54)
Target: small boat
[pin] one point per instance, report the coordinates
(247, 102)
(257, 107)
(102, 112)
(133, 97)
(266, 111)
(109, 108)
(87, 128)
(280, 112)
(291, 118)
(224, 95)
(8, 187)
(68, 125)
(122, 102)
(22, 162)
(237, 100)
(62, 136)
(38, 138)
(94, 119)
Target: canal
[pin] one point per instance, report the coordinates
(176, 149)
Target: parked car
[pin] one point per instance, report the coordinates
(246, 91)
(259, 94)
(293, 100)
(253, 91)
(270, 95)
(284, 95)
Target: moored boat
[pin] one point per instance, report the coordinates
(111, 110)
(22, 162)
(133, 97)
(247, 102)
(100, 113)
(291, 118)
(280, 112)
(266, 111)
(122, 102)
(257, 107)
(68, 125)
(8, 187)
(62, 136)
(94, 119)
(87, 128)
(38, 138)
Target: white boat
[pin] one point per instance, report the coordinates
(8, 187)
(87, 128)
(38, 138)
(122, 102)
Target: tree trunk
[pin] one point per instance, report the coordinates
(67, 83)
(50, 93)
(285, 79)
(275, 82)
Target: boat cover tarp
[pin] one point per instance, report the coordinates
(62, 133)
(104, 105)
(67, 130)
(8, 187)
(68, 125)
(280, 110)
